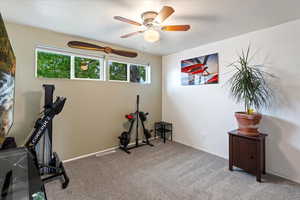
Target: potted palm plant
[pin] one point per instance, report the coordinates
(249, 85)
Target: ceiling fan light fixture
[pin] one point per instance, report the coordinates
(151, 35)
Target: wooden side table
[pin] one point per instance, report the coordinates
(247, 153)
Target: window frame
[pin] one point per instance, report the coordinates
(101, 59)
(104, 65)
(102, 68)
(39, 49)
(108, 71)
(128, 64)
(148, 73)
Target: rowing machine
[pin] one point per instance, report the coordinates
(40, 141)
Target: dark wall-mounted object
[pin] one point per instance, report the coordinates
(107, 50)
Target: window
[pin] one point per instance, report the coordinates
(118, 71)
(53, 65)
(128, 72)
(138, 73)
(59, 64)
(88, 68)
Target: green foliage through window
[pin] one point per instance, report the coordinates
(55, 64)
(87, 68)
(138, 73)
(51, 65)
(117, 71)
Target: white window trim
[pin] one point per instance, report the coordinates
(148, 73)
(104, 65)
(101, 62)
(72, 66)
(46, 50)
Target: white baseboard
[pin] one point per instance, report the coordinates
(100, 153)
(283, 176)
(201, 149)
(91, 154)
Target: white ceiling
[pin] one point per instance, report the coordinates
(211, 20)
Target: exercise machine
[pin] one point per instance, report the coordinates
(40, 141)
(125, 136)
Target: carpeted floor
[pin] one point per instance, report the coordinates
(169, 171)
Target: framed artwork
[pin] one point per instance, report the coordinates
(200, 70)
(7, 81)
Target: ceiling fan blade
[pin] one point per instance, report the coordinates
(164, 13)
(129, 54)
(129, 21)
(85, 46)
(131, 34)
(176, 28)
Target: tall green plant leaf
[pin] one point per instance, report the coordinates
(248, 85)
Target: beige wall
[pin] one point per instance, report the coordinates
(93, 116)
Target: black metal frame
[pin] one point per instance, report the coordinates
(137, 143)
(163, 128)
(6, 185)
(35, 184)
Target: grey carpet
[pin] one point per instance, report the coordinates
(169, 171)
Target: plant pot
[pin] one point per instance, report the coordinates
(248, 123)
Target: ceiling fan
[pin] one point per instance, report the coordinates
(108, 50)
(152, 22)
